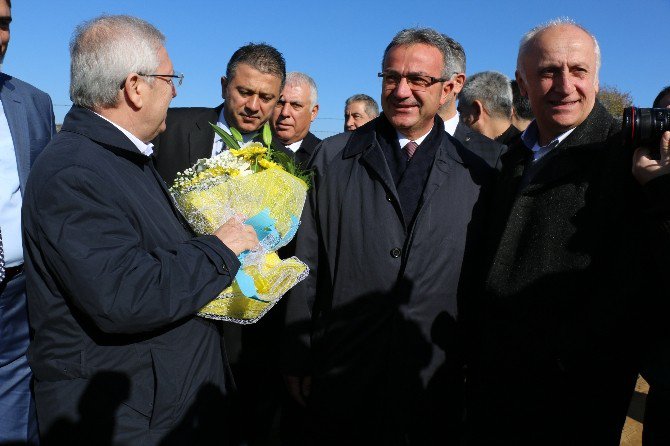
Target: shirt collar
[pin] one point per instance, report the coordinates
(403, 140)
(144, 148)
(451, 124)
(530, 138)
(295, 146)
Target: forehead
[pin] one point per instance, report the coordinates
(296, 92)
(559, 45)
(356, 107)
(415, 58)
(247, 76)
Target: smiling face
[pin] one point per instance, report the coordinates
(411, 111)
(293, 113)
(250, 97)
(559, 78)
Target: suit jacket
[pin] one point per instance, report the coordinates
(483, 146)
(568, 246)
(380, 304)
(30, 118)
(304, 153)
(187, 138)
(31, 121)
(114, 280)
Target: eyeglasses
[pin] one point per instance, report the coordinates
(415, 82)
(178, 76)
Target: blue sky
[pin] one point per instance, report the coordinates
(339, 43)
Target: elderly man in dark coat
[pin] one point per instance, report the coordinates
(557, 324)
(394, 204)
(114, 274)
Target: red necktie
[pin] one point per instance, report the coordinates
(410, 148)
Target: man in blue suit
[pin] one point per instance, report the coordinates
(26, 126)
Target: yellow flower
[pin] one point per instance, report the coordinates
(267, 164)
(250, 152)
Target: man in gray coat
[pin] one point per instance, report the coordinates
(394, 205)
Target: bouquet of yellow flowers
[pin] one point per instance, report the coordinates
(252, 180)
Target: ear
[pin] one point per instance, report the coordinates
(596, 84)
(459, 81)
(315, 111)
(478, 110)
(134, 90)
(447, 90)
(224, 84)
(521, 83)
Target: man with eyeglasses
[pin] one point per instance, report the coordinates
(251, 87)
(115, 275)
(26, 126)
(372, 346)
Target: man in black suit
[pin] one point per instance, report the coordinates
(485, 105)
(558, 322)
(471, 139)
(252, 85)
(114, 274)
(294, 113)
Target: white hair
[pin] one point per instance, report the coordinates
(492, 89)
(297, 78)
(104, 51)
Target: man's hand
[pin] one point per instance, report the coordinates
(299, 388)
(237, 236)
(646, 168)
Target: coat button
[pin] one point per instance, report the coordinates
(395, 252)
(389, 198)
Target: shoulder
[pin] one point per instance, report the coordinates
(330, 148)
(25, 91)
(479, 146)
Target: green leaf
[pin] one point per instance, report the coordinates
(267, 134)
(227, 139)
(237, 135)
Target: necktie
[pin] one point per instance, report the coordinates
(410, 148)
(2, 259)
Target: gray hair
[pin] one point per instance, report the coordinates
(297, 78)
(529, 37)
(492, 89)
(457, 59)
(104, 51)
(426, 36)
(371, 107)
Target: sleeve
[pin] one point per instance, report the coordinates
(296, 342)
(95, 252)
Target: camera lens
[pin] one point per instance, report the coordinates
(644, 126)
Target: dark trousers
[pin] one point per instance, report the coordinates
(18, 422)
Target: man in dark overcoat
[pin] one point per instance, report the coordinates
(557, 324)
(394, 204)
(115, 276)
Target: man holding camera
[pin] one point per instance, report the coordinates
(569, 274)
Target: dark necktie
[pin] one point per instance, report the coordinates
(410, 148)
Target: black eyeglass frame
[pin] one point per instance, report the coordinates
(433, 80)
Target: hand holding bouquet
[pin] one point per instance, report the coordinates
(264, 185)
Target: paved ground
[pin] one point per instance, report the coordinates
(632, 431)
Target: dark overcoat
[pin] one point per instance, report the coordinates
(114, 279)
(558, 319)
(382, 296)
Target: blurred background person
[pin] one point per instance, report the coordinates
(358, 110)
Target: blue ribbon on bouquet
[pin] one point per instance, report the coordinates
(264, 225)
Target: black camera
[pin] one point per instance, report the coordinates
(644, 126)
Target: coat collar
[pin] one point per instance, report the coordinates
(583, 147)
(84, 122)
(17, 120)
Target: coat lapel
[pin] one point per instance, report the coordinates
(18, 126)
